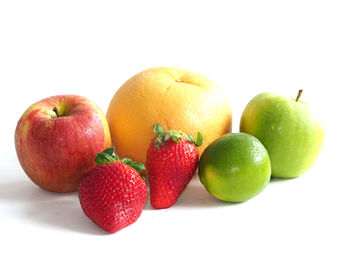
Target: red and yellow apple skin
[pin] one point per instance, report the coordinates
(57, 140)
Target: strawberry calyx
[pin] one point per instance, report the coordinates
(176, 136)
(108, 156)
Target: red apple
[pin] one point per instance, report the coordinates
(57, 140)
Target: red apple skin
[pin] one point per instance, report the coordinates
(56, 151)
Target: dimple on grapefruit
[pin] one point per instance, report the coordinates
(176, 99)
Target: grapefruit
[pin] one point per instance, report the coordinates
(174, 98)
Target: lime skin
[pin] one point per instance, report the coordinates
(290, 129)
(235, 167)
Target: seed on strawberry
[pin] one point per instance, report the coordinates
(172, 160)
(113, 194)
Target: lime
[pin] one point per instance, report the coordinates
(235, 167)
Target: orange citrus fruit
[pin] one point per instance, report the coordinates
(174, 98)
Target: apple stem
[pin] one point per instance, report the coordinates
(56, 111)
(299, 94)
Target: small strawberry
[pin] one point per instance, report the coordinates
(172, 160)
(113, 194)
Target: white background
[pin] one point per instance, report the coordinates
(91, 48)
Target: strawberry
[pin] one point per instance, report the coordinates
(172, 160)
(113, 194)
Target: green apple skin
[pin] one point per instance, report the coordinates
(290, 130)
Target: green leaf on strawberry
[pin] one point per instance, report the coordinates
(108, 156)
(176, 136)
(199, 139)
(157, 129)
(109, 151)
(103, 158)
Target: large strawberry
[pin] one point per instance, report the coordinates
(172, 160)
(113, 194)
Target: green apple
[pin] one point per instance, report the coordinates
(290, 130)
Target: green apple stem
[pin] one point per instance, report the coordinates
(299, 94)
(56, 111)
